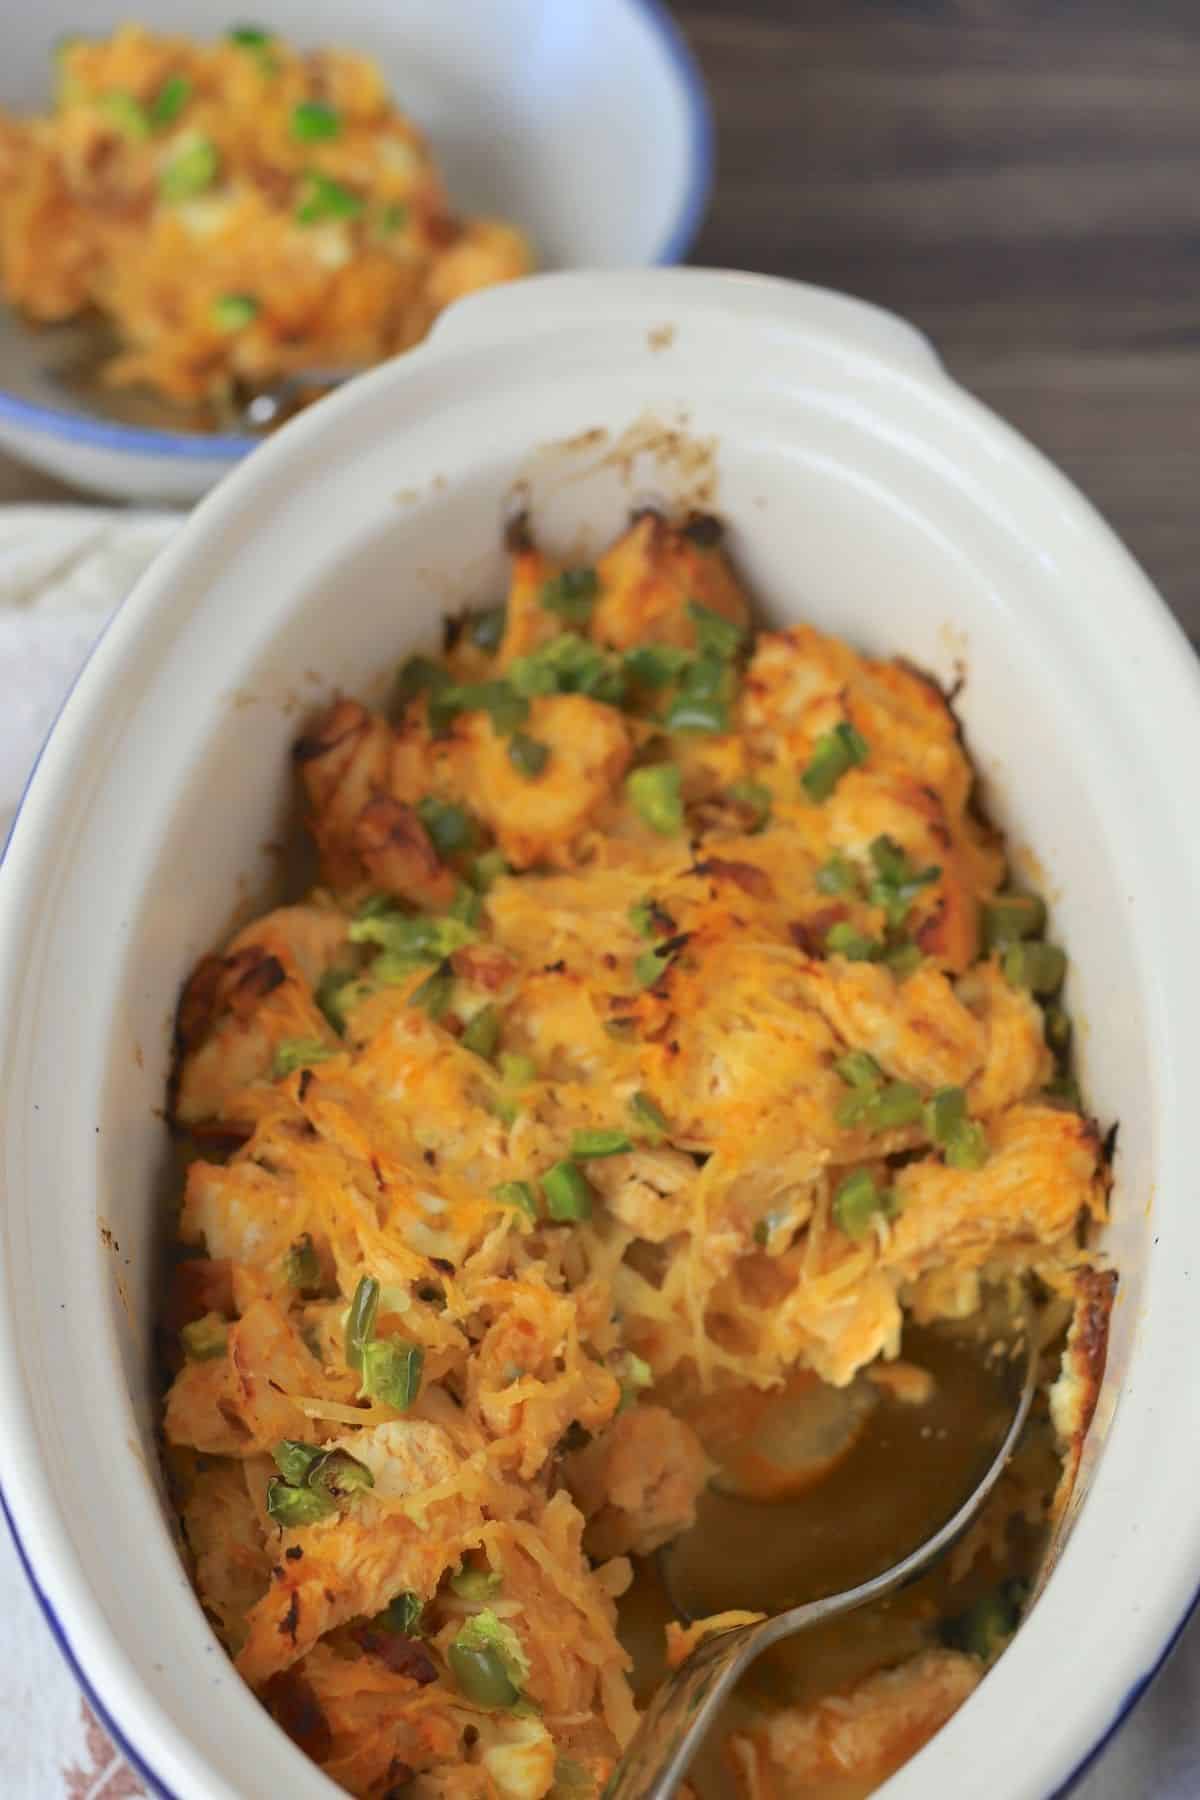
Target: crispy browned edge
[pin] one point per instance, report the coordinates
(1084, 1357)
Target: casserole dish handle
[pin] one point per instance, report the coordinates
(580, 300)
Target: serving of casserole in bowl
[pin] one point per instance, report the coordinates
(205, 221)
(637, 1038)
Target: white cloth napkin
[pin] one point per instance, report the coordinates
(62, 572)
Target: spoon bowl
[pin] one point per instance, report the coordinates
(683, 1708)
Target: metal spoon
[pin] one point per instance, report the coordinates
(685, 1705)
(69, 359)
(271, 404)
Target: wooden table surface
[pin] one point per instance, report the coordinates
(1021, 178)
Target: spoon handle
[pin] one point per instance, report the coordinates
(679, 1714)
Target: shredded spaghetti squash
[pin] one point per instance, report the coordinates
(661, 1028)
(236, 212)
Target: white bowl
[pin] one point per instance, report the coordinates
(585, 121)
(865, 491)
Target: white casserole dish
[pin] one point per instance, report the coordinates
(864, 490)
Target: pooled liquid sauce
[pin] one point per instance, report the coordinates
(908, 1471)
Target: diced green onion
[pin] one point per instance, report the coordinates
(586, 1144)
(843, 940)
(313, 121)
(890, 860)
(418, 675)
(233, 312)
(391, 1372)
(504, 706)
(296, 1507)
(881, 1108)
(487, 869)
(962, 1139)
(642, 916)
(299, 1053)
(339, 1474)
(902, 959)
(686, 714)
(170, 100)
(411, 938)
(517, 1070)
(360, 1322)
(836, 876)
(715, 634)
(648, 1119)
(702, 699)
(655, 665)
(637, 1378)
(481, 1675)
(1008, 918)
(485, 1632)
(566, 1192)
(249, 37)
(968, 1148)
(856, 1203)
(898, 883)
(896, 901)
(855, 1109)
(1038, 967)
(128, 115)
(568, 664)
(482, 1032)
(475, 1585)
(191, 172)
(375, 906)
(486, 629)
(650, 967)
(1057, 1024)
(984, 1630)
(571, 595)
(402, 1614)
(656, 795)
(755, 799)
(834, 753)
(302, 1265)
(517, 1194)
(528, 755)
(899, 1103)
(451, 827)
(330, 995)
(499, 699)
(323, 198)
(434, 994)
(859, 1069)
(295, 1460)
(466, 907)
(204, 1339)
(946, 1114)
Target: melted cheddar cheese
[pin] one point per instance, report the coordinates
(640, 1044)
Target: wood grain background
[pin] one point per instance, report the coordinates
(1021, 178)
